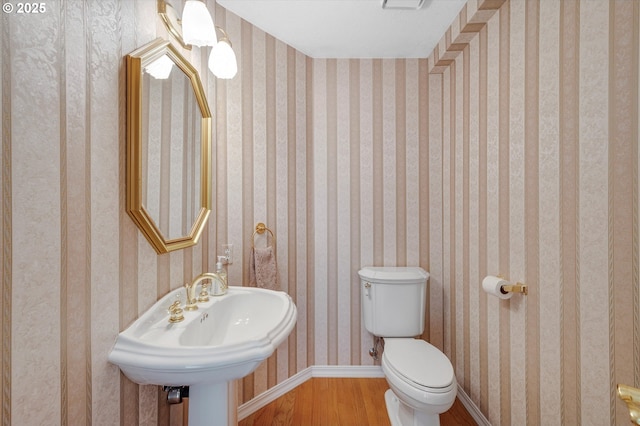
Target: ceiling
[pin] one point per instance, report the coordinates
(350, 28)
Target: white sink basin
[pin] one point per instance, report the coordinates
(225, 339)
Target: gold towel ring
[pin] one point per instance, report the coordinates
(260, 229)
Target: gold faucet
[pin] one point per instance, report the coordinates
(204, 294)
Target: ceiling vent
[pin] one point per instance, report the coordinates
(402, 4)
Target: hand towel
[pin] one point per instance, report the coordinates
(263, 271)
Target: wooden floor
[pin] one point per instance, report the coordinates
(339, 402)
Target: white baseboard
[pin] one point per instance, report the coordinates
(338, 371)
(358, 371)
(353, 371)
(472, 408)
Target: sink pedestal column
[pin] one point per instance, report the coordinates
(209, 405)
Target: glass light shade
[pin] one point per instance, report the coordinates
(197, 24)
(160, 68)
(222, 61)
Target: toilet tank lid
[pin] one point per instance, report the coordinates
(393, 274)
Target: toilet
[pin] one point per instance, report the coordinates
(421, 379)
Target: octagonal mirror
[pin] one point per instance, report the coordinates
(168, 147)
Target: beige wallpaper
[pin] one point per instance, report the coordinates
(512, 150)
(536, 146)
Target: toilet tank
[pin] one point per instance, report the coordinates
(393, 300)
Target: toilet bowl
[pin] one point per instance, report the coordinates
(421, 379)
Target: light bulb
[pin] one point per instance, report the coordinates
(222, 61)
(197, 24)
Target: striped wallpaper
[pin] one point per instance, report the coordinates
(511, 150)
(536, 146)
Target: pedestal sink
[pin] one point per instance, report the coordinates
(225, 339)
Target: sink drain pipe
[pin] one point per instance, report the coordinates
(176, 393)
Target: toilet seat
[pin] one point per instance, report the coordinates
(419, 364)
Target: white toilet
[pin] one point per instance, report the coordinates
(421, 377)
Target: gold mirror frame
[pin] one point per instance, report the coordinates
(135, 65)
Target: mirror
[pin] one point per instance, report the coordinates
(168, 147)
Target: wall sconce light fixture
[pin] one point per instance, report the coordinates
(222, 60)
(197, 29)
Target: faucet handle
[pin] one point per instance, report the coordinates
(175, 305)
(204, 294)
(176, 312)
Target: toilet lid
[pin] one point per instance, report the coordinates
(419, 362)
